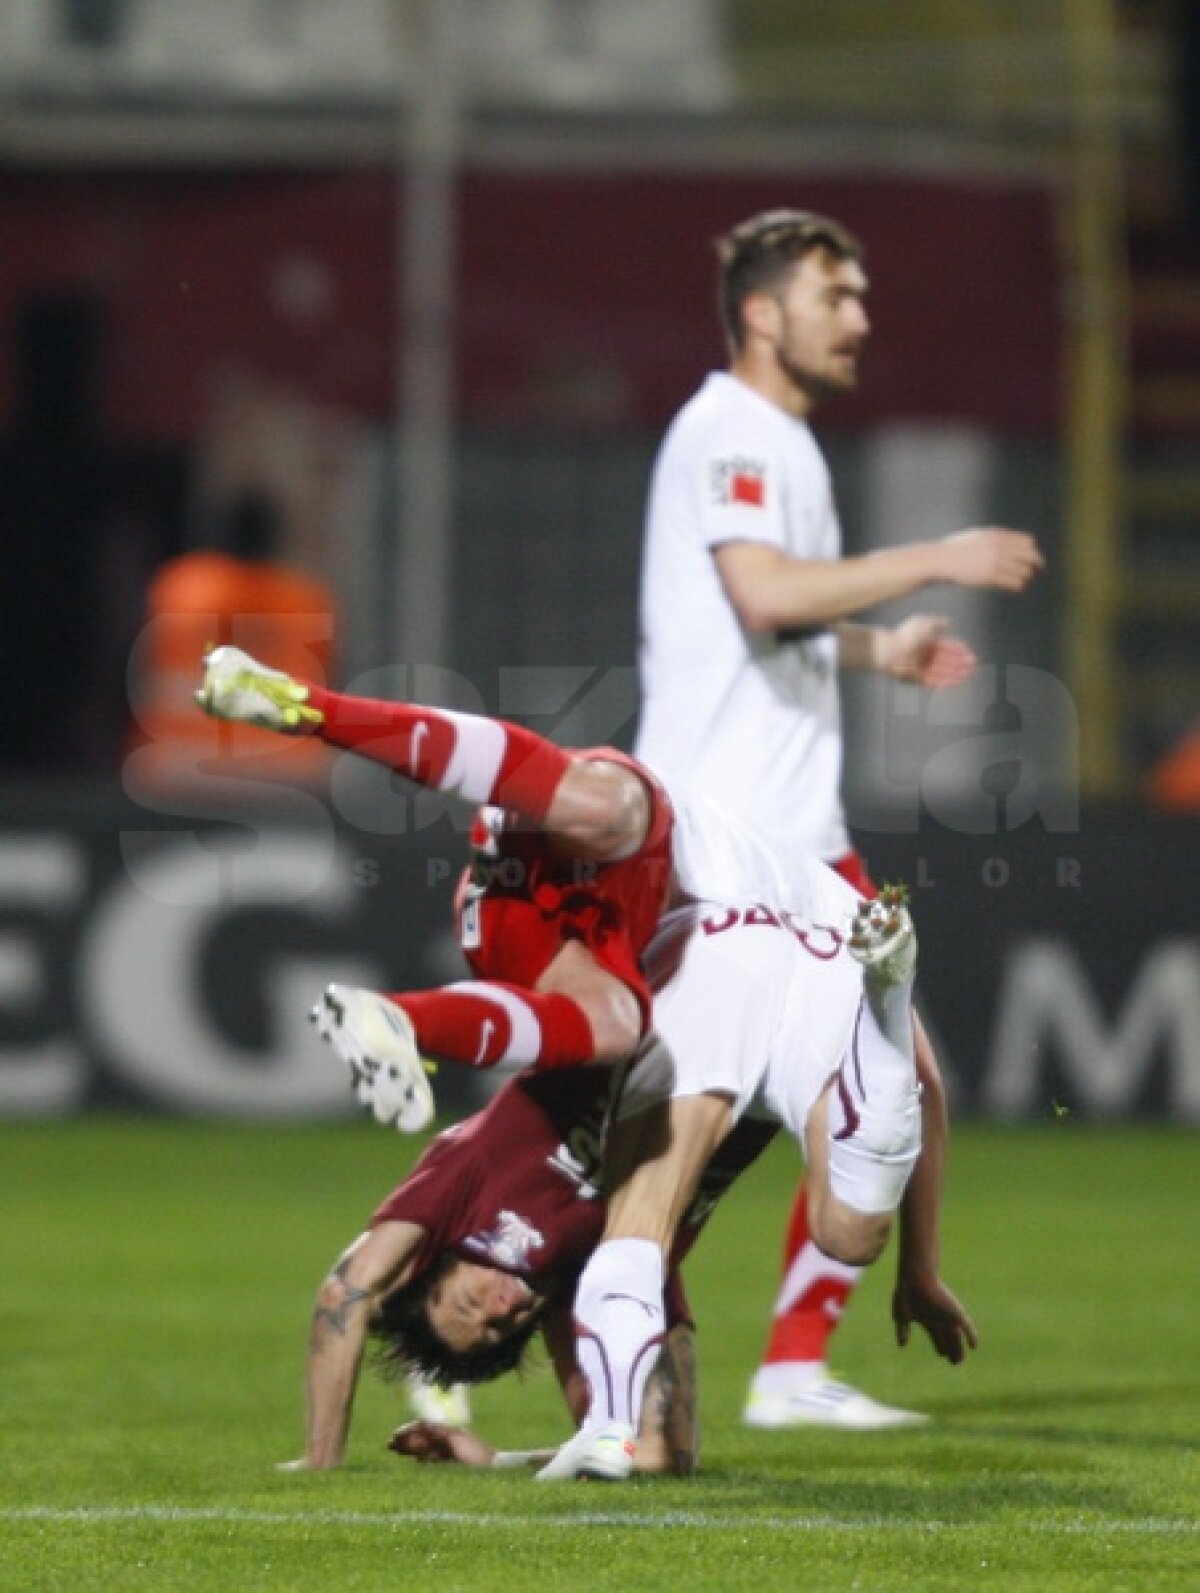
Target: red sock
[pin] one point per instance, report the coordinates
(479, 759)
(812, 1296)
(482, 1022)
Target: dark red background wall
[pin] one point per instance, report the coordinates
(587, 295)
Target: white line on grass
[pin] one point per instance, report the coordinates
(689, 1520)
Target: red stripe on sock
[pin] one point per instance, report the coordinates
(465, 1026)
(383, 732)
(802, 1332)
(530, 773)
(567, 1038)
(530, 768)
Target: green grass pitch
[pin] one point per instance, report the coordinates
(157, 1284)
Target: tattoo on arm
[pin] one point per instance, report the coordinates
(336, 1318)
(669, 1411)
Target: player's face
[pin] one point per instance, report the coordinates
(472, 1306)
(822, 325)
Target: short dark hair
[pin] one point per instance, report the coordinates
(409, 1343)
(761, 252)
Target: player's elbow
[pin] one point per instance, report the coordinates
(766, 613)
(344, 1292)
(332, 1299)
(758, 616)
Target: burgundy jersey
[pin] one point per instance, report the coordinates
(520, 899)
(516, 1186)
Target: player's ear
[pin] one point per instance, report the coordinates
(762, 316)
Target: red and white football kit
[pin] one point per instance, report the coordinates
(519, 900)
(528, 900)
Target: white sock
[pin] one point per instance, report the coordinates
(782, 1377)
(619, 1327)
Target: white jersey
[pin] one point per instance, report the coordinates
(754, 721)
(717, 858)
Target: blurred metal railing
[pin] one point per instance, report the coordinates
(1096, 294)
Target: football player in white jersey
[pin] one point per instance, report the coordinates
(747, 613)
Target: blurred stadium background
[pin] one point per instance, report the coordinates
(397, 297)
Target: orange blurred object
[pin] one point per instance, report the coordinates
(281, 617)
(1174, 783)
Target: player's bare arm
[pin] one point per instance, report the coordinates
(669, 1436)
(770, 590)
(920, 1295)
(348, 1296)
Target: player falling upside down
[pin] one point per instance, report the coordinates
(481, 1244)
(558, 944)
(479, 1249)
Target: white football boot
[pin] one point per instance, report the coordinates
(598, 1454)
(375, 1038)
(823, 1401)
(238, 688)
(882, 938)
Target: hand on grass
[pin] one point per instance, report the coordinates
(433, 1444)
(939, 1312)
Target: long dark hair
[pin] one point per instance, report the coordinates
(408, 1342)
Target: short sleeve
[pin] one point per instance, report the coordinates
(438, 1194)
(740, 481)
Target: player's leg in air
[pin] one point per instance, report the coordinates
(839, 1072)
(793, 1385)
(591, 810)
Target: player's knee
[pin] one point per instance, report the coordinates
(601, 808)
(855, 1238)
(616, 1021)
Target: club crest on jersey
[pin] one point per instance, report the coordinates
(738, 481)
(509, 1244)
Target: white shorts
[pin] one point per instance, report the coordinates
(748, 1002)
